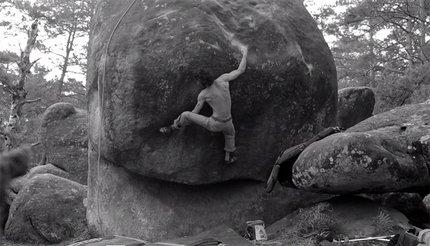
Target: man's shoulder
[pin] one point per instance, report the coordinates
(203, 93)
(221, 83)
(222, 79)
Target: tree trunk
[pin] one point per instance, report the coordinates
(11, 128)
(409, 42)
(422, 30)
(372, 52)
(69, 48)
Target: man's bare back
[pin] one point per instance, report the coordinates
(218, 97)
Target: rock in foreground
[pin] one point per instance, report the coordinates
(387, 152)
(47, 210)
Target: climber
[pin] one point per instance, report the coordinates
(217, 94)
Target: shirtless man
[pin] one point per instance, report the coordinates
(217, 94)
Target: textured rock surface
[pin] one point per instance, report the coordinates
(47, 210)
(146, 184)
(287, 93)
(64, 138)
(387, 152)
(153, 210)
(354, 105)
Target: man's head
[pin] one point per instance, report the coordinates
(204, 79)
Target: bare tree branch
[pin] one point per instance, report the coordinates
(18, 92)
(5, 80)
(31, 101)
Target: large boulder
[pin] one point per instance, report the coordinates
(48, 209)
(65, 141)
(355, 104)
(142, 69)
(387, 152)
(148, 77)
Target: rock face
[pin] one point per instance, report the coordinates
(64, 136)
(288, 90)
(147, 76)
(154, 210)
(47, 210)
(355, 104)
(387, 152)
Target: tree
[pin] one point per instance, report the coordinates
(381, 44)
(10, 129)
(65, 26)
(67, 21)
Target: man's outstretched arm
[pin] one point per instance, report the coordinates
(234, 74)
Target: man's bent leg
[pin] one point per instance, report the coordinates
(229, 145)
(188, 118)
(179, 122)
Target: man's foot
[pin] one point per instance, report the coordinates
(167, 129)
(232, 158)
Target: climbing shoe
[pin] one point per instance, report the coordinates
(167, 129)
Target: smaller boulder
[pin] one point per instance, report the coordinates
(64, 139)
(48, 209)
(355, 104)
(357, 162)
(387, 152)
(48, 168)
(58, 111)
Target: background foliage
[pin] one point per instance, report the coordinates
(61, 46)
(382, 44)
